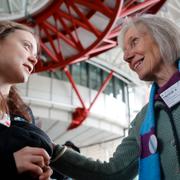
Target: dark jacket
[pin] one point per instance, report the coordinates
(20, 134)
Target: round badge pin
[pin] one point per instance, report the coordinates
(152, 144)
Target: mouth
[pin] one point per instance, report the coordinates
(137, 64)
(28, 68)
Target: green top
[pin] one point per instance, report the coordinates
(124, 163)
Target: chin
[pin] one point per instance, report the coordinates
(22, 79)
(25, 79)
(141, 77)
(146, 78)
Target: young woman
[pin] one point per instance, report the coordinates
(25, 150)
(151, 47)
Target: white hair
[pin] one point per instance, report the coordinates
(165, 33)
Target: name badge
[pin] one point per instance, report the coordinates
(171, 96)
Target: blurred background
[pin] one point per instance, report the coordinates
(81, 89)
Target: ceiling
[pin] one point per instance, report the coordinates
(77, 30)
(109, 60)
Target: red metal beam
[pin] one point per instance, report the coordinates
(131, 10)
(68, 74)
(62, 22)
(73, 18)
(103, 86)
(81, 113)
(69, 21)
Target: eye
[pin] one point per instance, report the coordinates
(134, 41)
(27, 45)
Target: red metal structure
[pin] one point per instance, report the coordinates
(75, 30)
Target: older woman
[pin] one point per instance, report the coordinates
(151, 47)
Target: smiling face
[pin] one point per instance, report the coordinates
(142, 53)
(18, 51)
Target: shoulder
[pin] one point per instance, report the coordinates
(139, 117)
(135, 125)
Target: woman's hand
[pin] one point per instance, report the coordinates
(33, 160)
(47, 172)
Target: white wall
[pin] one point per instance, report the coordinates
(43, 92)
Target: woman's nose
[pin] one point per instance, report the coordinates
(128, 55)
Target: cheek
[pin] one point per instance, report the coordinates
(20, 52)
(141, 49)
(156, 55)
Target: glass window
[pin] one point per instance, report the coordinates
(45, 73)
(109, 88)
(84, 74)
(57, 75)
(94, 77)
(118, 89)
(76, 72)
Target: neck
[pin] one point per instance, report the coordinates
(165, 75)
(4, 89)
